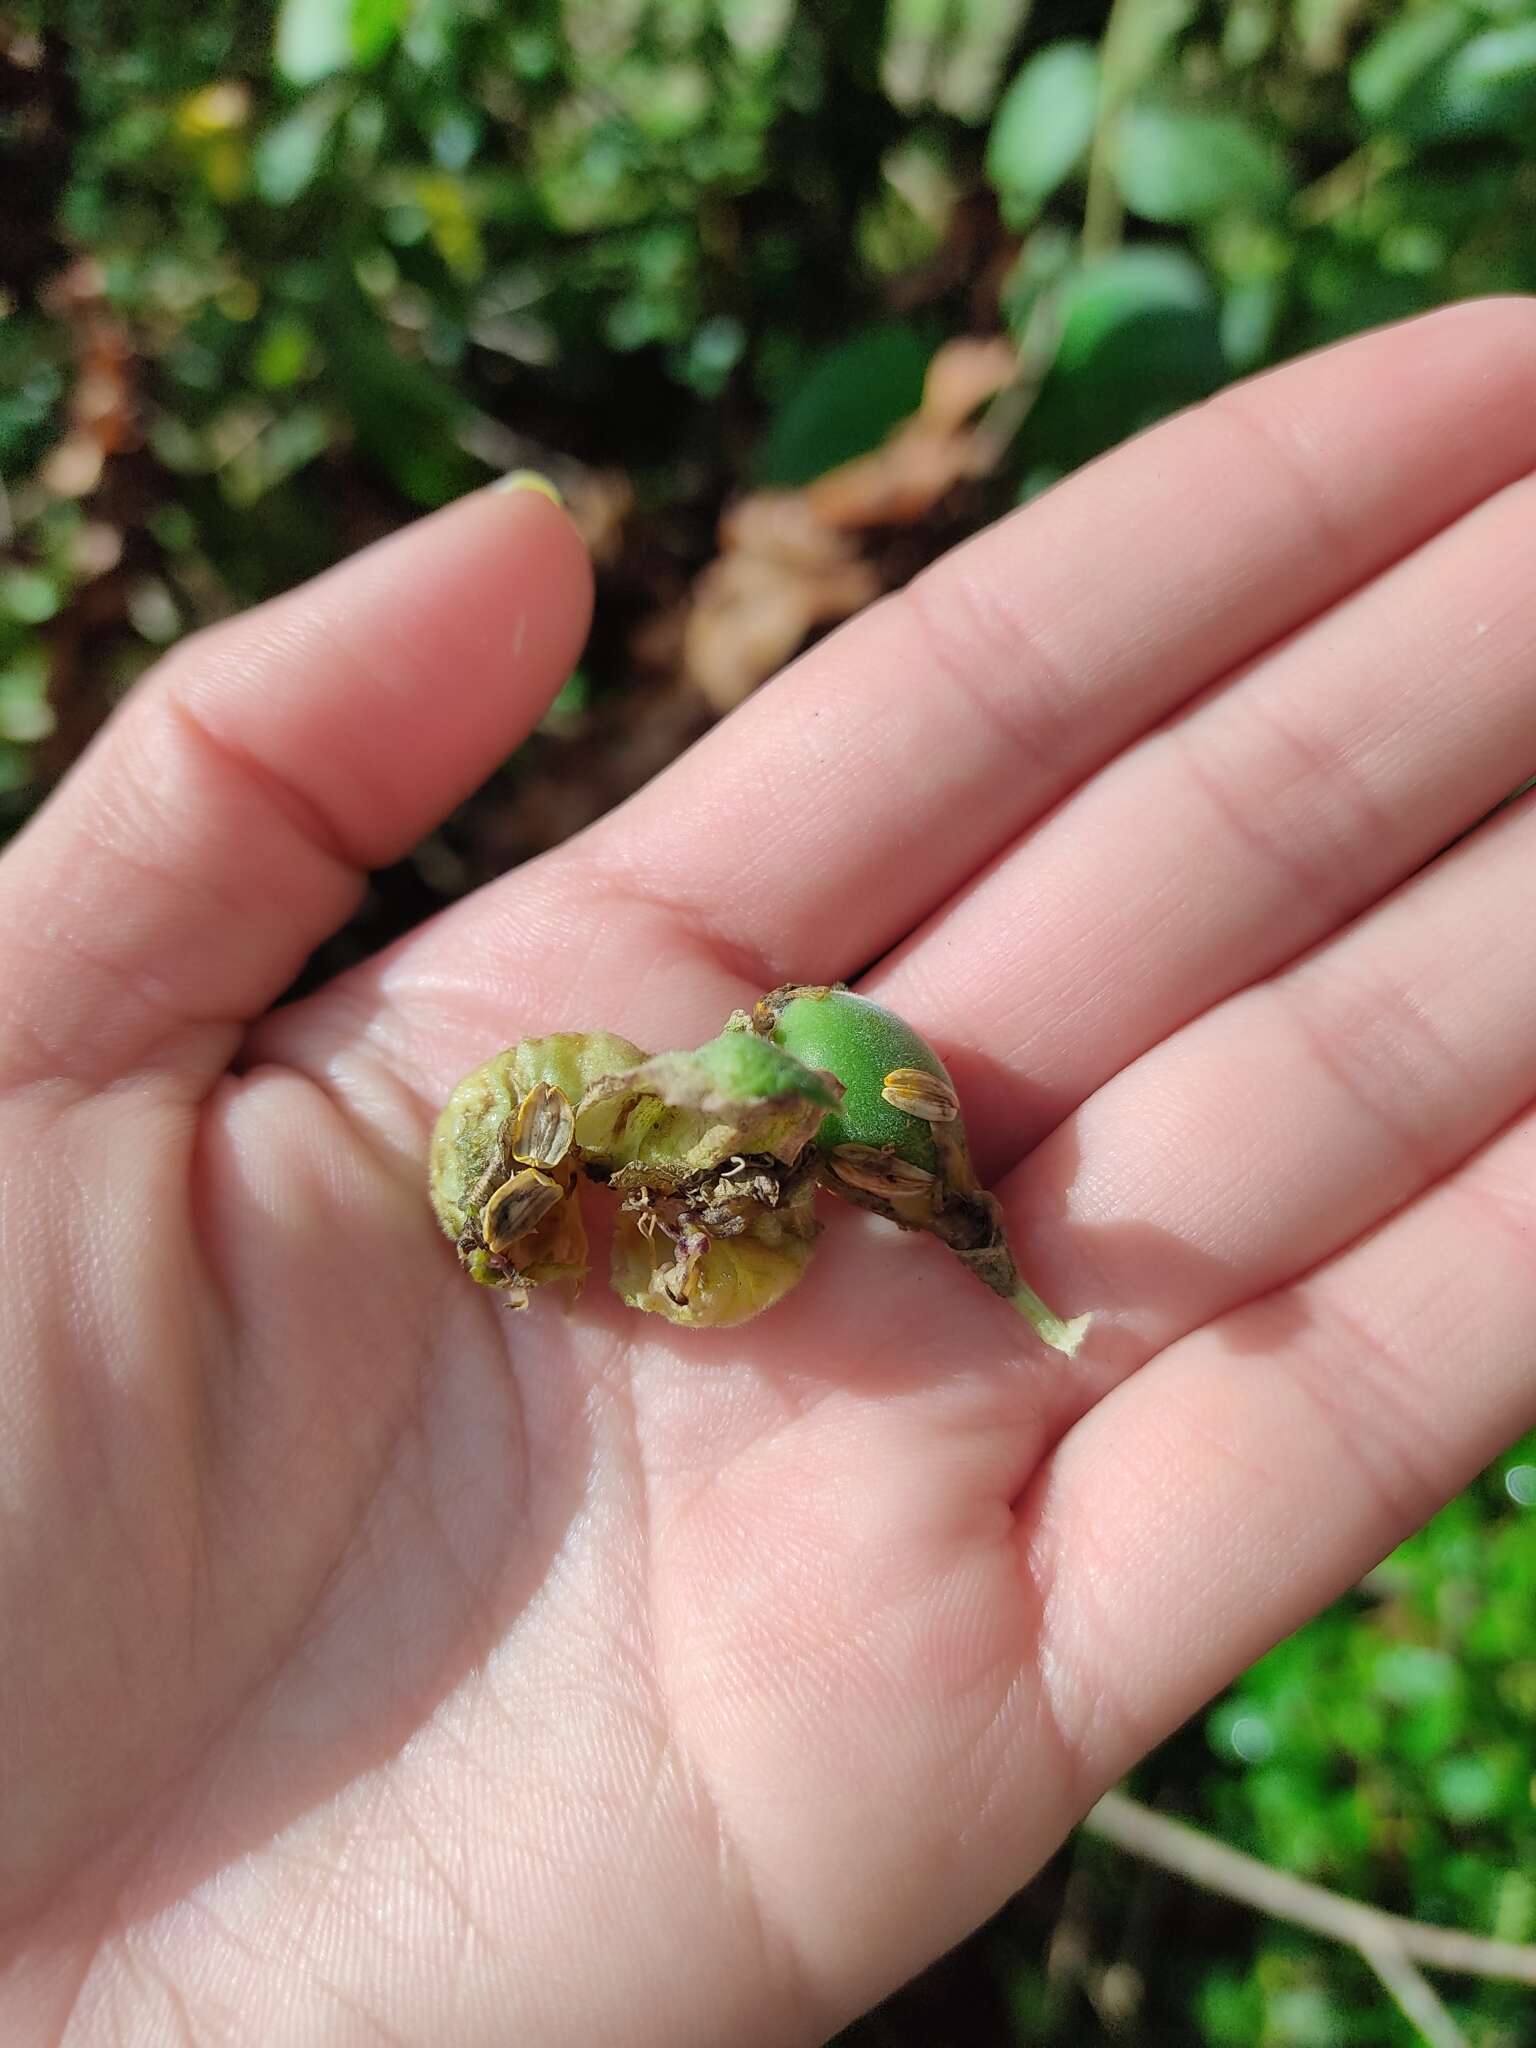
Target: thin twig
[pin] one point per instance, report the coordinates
(1348, 182)
(1218, 1868)
(1103, 212)
(1417, 1999)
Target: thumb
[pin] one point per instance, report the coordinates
(219, 826)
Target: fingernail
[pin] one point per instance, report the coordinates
(529, 480)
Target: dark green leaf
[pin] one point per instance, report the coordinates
(1140, 336)
(406, 417)
(846, 403)
(1348, 293)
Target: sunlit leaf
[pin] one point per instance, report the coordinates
(1186, 164)
(1043, 127)
(26, 716)
(1403, 53)
(317, 38)
(1485, 87)
(314, 39)
(374, 27)
(288, 158)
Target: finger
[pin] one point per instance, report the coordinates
(1275, 1129)
(217, 829)
(1259, 1467)
(1225, 842)
(843, 799)
(853, 795)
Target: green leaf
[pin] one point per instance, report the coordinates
(1405, 51)
(317, 38)
(1141, 39)
(1140, 336)
(1187, 164)
(374, 28)
(845, 404)
(404, 415)
(1043, 127)
(1486, 87)
(283, 353)
(28, 596)
(1123, 290)
(1468, 1788)
(314, 39)
(1348, 293)
(15, 768)
(746, 1068)
(1250, 316)
(25, 713)
(287, 159)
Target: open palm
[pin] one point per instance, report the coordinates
(380, 1665)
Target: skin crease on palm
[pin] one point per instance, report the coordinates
(381, 1666)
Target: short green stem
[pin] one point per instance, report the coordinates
(1049, 1327)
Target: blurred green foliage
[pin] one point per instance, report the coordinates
(1385, 1751)
(353, 249)
(274, 282)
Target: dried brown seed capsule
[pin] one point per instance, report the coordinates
(544, 1128)
(515, 1113)
(516, 1208)
(879, 1173)
(928, 1096)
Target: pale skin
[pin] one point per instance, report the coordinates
(383, 1666)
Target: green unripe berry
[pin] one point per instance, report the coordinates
(863, 1045)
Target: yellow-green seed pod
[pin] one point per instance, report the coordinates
(667, 1263)
(504, 1164)
(470, 1129)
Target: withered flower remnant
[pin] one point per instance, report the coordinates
(716, 1155)
(705, 1149)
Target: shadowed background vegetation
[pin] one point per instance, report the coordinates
(788, 295)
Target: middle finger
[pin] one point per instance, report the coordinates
(1235, 836)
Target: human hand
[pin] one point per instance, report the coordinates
(383, 1666)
